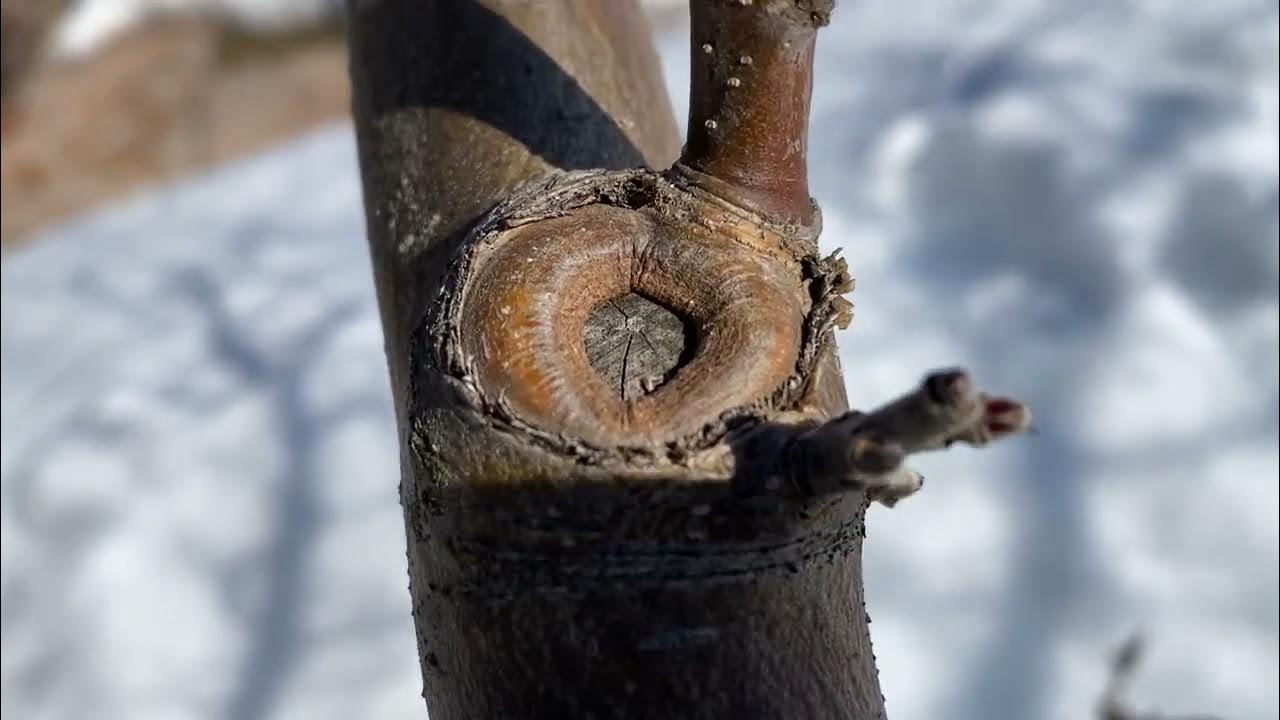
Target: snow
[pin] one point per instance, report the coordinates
(1077, 200)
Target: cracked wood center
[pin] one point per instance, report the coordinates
(637, 344)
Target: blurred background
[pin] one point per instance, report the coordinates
(198, 504)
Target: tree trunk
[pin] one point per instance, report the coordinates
(606, 376)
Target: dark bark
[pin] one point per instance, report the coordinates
(579, 546)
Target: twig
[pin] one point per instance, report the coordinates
(1113, 705)
(866, 450)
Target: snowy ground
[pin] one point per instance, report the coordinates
(1078, 200)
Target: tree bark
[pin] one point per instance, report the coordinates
(595, 530)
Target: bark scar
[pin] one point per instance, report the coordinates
(440, 336)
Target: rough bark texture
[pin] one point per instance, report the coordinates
(577, 549)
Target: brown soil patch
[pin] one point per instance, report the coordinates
(161, 100)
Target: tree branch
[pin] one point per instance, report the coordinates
(866, 451)
(752, 78)
(1113, 705)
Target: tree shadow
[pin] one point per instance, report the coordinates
(490, 71)
(275, 630)
(989, 208)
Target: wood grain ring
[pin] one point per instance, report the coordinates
(533, 291)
